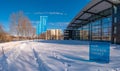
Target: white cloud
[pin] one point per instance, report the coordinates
(49, 13)
(59, 25)
(52, 25)
(35, 22)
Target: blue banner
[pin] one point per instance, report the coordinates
(99, 52)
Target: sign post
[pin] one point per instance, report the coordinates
(99, 52)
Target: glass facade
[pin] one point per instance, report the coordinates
(81, 33)
(85, 32)
(98, 24)
(97, 30)
(107, 28)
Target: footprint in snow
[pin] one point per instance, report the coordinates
(66, 66)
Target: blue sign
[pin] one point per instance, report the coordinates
(99, 52)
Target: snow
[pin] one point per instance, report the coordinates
(52, 55)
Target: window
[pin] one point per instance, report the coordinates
(85, 32)
(114, 40)
(96, 30)
(106, 28)
(115, 10)
(115, 30)
(115, 20)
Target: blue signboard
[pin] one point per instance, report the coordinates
(99, 52)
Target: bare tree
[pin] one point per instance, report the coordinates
(1, 29)
(3, 35)
(13, 24)
(21, 26)
(15, 19)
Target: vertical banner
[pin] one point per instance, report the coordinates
(43, 23)
(99, 52)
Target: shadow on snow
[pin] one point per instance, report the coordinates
(65, 42)
(42, 66)
(3, 62)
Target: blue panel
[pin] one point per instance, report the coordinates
(99, 52)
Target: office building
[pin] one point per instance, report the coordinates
(99, 20)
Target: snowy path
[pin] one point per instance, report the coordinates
(52, 56)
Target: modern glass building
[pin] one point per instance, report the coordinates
(98, 21)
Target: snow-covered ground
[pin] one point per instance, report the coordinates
(53, 56)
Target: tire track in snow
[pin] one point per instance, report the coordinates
(41, 65)
(3, 62)
(4, 58)
(14, 53)
(10, 56)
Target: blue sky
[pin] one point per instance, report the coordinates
(59, 12)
